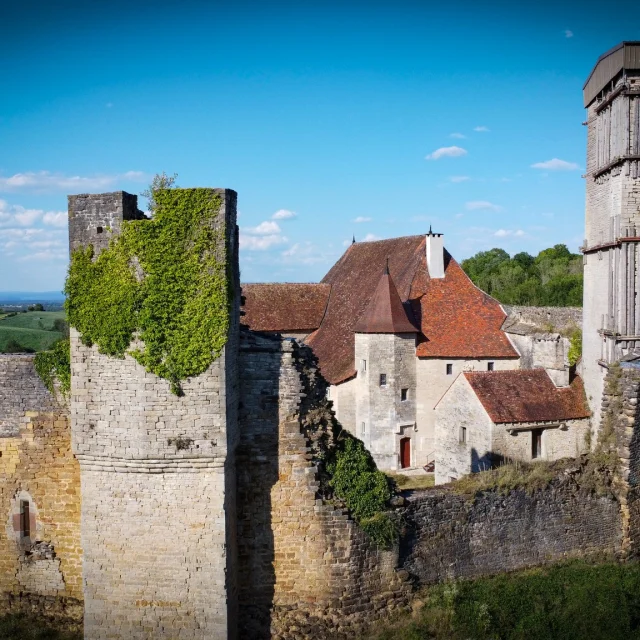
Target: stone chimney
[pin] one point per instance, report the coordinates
(435, 254)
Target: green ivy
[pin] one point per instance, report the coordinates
(55, 364)
(164, 281)
(575, 347)
(356, 480)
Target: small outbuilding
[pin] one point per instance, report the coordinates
(485, 418)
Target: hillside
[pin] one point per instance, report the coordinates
(30, 331)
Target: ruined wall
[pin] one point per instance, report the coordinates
(305, 568)
(343, 397)
(451, 536)
(41, 572)
(544, 319)
(158, 479)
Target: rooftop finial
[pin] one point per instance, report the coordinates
(354, 239)
(430, 232)
(386, 271)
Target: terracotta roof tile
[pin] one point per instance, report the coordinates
(385, 313)
(456, 318)
(527, 396)
(284, 307)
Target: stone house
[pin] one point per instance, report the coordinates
(488, 417)
(392, 324)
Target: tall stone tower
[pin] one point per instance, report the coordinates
(611, 324)
(157, 470)
(385, 350)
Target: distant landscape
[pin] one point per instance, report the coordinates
(23, 331)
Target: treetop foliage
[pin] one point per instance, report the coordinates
(553, 278)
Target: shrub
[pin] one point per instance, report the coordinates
(55, 365)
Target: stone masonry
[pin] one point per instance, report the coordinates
(158, 474)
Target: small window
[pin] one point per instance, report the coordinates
(536, 443)
(489, 366)
(25, 519)
(363, 428)
(100, 229)
(363, 366)
(463, 435)
(449, 369)
(404, 394)
(383, 379)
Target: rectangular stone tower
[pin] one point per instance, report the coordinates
(611, 323)
(157, 469)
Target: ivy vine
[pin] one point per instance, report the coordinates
(55, 365)
(164, 281)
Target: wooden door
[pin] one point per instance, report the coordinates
(405, 453)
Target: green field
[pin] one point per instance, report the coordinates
(33, 331)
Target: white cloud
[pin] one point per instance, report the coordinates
(459, 178)
(446, 152)
(264, 228)
(44, 256)
(482, 205)
(556, 165)
(459, 136)
(55, 218)
(568, 33)
(505, 233)
(18, 216)
(360, 219)
(481, 129)
(260, 243)
(305, 253)
(370, 237)
(47, 181)
(283, 214)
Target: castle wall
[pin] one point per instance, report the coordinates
(343, 397)
(42, 571)
(611, 325)
(432, 384)
(450, 536)
(158, 483)
(305, 568)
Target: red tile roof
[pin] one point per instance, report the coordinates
(527, 396)
(385, 313)
(457, 319)
(284, 307)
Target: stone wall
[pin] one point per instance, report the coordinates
(306, 569)
(20, 390)
(158, 476)
(40, 572)
(379, 407)
(543, 319)
(450, 536)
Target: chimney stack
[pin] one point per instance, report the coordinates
(435, 254)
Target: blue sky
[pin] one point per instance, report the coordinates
(329, 119)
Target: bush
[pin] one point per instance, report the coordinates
(366, 492)
(13, 346)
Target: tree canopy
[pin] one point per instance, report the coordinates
(553, 278)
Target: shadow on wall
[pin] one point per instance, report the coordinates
(257, 473)
(485, 462)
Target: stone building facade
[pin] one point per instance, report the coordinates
(611, 324)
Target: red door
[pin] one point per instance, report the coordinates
(405, 453)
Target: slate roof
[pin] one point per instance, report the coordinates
(527, 396)
(456, 319)
(284, 307)
(385, 313)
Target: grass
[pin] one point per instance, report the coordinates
(33, 331)
(405, 483)
(20, 626)
(575, 601)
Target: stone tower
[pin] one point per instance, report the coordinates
(385, 347)
(157, 470)
(611, 324)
